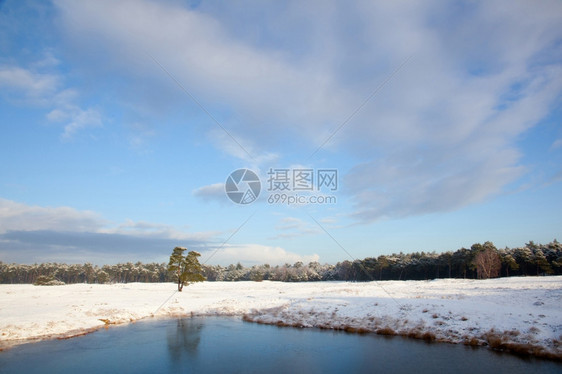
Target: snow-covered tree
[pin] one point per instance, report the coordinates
(509, 261)
(542, 263)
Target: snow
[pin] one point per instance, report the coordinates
(500, 312)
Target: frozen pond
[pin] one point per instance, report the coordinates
(228, 345)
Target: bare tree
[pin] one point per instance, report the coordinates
(488, 264)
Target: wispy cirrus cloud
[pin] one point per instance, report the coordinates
(556, 144)
(45, 89)
(32, 86)
(292, 227)
(439, 136)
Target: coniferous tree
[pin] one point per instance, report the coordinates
(186, 269)
(542, 263)
(510, 263)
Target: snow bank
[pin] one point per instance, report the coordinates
(517, 314)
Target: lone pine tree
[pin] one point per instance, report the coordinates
(186, 269)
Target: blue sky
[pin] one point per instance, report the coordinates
(121, 121)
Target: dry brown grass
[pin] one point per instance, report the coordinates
(501, 342)
(471, 341)
(414, 334)
(512, 333)
(428, 336)
(494, 341)
(349, 329)
(386, 331)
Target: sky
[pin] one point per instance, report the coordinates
(360, 128)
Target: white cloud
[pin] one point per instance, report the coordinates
(288, 223)
(556, 144)
(213, 192)
(57, 115)
(242, 149)
(81, 119)
(48, 61)
(253, 254)
(292, 227)
(156, 230)
(140, 133)
(439, 136)
(35, 233)
(267, 89)
(33, 86)
(413, 184)
(43, 89)
(16, 216)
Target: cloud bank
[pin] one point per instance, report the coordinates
(440, 135)
(34, 234)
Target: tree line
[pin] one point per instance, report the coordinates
(479, 261)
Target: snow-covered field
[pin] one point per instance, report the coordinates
(518, 314)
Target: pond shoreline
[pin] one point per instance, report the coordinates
(516, 315)
(491, 340)
(225, 344)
